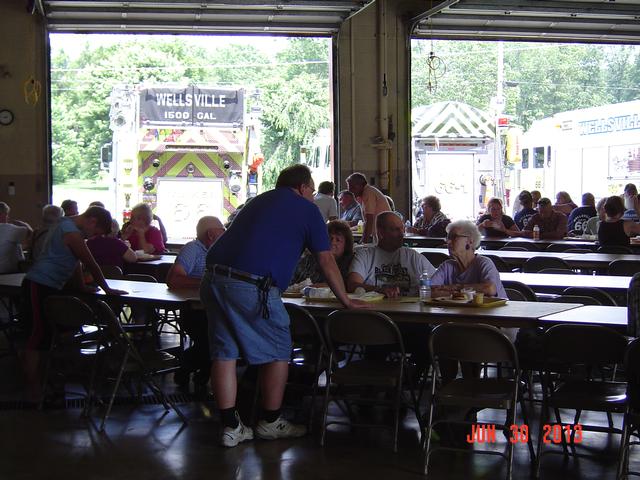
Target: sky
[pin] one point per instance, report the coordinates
(73, 43)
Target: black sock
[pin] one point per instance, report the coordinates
(229, 417)
(270, 416)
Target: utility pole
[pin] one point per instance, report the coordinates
(498, 174)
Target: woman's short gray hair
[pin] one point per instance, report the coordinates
(468, 228)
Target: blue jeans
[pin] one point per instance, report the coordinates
(236, 324)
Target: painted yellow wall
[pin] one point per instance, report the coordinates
(23, 144)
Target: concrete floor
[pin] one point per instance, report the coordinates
(141, 442)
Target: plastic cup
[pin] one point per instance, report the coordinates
(478, 298)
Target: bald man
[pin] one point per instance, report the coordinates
(187, 272)
(188, 268)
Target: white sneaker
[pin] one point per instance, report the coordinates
(233, 436)
(281, 428)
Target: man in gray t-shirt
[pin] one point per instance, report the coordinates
(388, 267)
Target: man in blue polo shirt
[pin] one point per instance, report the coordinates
(247, 268)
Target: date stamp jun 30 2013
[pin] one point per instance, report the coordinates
(554, 433)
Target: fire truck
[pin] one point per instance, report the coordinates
(593, 150)
(187, 151)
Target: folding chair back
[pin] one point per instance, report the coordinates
(603, 297)
(623, 268)
(614, 249)
(140, 277)
(557, 247)
(584, 300)
(584, 345)
(633, 306)
(535, 264)
(67, 312)
(632, 372)
(436, 258)
(111, 271)
(362, 328)
(500, 264)
(515, 295)
(558, 271)
(472, 343)
(528, 293)
(526, 246)
(303, 326)
(631, 420)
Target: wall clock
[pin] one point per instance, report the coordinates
(6, 117)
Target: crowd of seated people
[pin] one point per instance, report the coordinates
(386, 267)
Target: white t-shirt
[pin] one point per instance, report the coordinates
(10, 248)
(401, 268)
(327, 205)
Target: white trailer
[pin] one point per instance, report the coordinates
(593, 150)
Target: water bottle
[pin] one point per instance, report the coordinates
(536, 232)
(425, 287)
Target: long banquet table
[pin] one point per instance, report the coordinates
(556, 283)
(513, 314)
(575, 260)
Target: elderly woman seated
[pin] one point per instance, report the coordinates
(140, 233)
(466, 269)
(341, 241)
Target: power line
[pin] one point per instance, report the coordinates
(178, 67)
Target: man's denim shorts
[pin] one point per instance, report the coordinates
(237, 328)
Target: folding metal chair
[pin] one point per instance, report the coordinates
(75, 340)
(361, 327)
(631, 421)
(535, 264)
(124, 359)
(476, 344)
(436, 258)
(603, 297)
(526, 291)
(574, 355)
(576, 299)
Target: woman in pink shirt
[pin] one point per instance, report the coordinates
(140, 233)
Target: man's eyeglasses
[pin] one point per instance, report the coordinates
(453, 236)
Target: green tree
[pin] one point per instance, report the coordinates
(295, 104)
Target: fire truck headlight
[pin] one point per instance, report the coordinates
(156, 162)
(226, 165)
(148, 184)
(235, 183)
